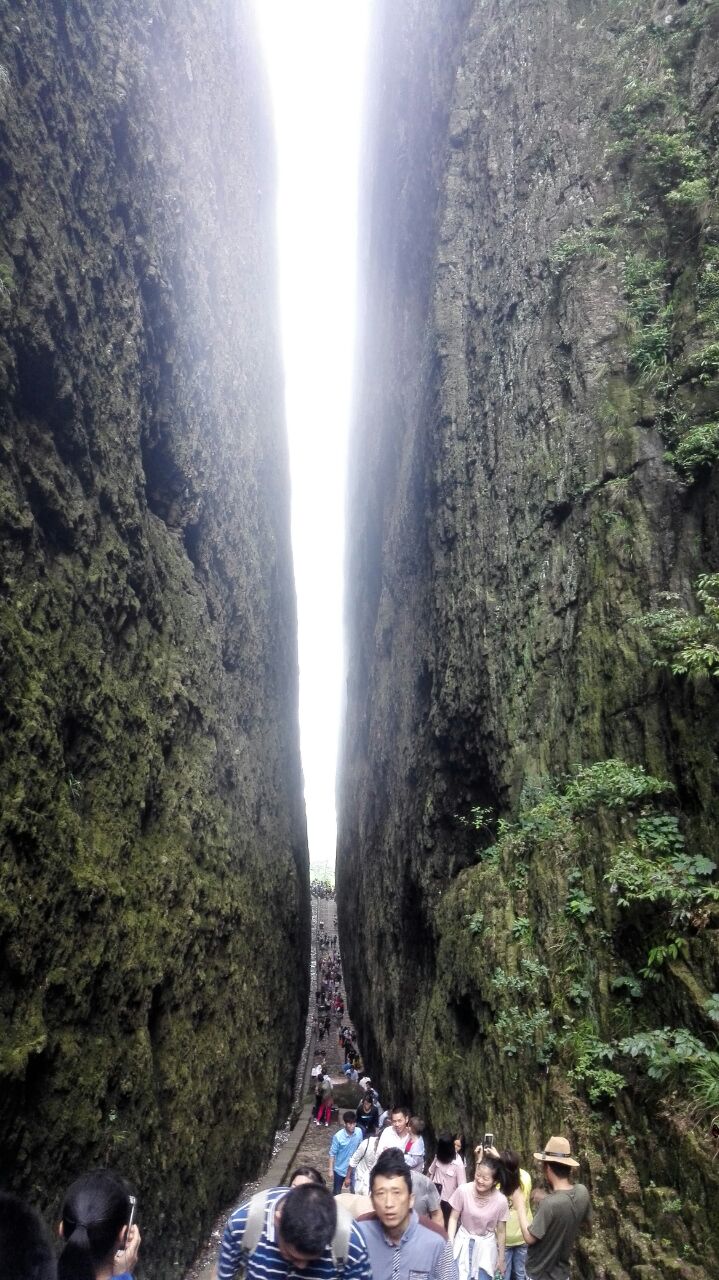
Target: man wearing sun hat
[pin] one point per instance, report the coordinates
(560, 1216)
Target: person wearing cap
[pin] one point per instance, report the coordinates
(560, 1216)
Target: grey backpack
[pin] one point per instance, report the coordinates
(256, 1221)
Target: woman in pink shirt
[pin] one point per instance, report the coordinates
(447, 1172)
(478, 1225)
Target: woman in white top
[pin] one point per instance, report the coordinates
(363, 1161)
(447, 1172)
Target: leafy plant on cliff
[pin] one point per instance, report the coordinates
(652, 866)
(691, 193)
(610, 784)
(7, 280)
(708, 287)
(697, 450)
(650, 312)
(580, 905)
(475, 923)
(648, 871)
(517, 1031)
(673, 1054)
(685, 643)
(585, 242)
(704, 1086)
(664, 234)
(589, 1069)
(480, 818)
(522, 929)
(666, 1051)
(712, 1006)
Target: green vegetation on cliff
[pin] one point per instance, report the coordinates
(562, 954)
(538, 433)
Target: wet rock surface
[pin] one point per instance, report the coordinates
(516, 502)
(154, 877)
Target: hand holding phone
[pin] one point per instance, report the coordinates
(126, 1257)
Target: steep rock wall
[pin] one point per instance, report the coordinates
(533, 465)
(154, 862)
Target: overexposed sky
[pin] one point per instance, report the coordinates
(315, 56)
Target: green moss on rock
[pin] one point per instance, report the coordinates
(538, 332)
(153, 848)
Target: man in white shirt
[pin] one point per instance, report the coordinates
(397, 1133)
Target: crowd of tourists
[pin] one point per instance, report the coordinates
(383, 1218)
(322, 889)
(396, 1212)
(380, 1215)
(384, 1211)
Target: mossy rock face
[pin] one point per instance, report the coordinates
(537, 357)
(154, 910)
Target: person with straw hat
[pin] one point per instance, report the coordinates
(560, 1216)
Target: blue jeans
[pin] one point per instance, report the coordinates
(516, 1261)
(338, 1179)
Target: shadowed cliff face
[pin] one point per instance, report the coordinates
(154, 879)
(532, 468)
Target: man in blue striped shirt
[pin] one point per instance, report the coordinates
(297, 1236)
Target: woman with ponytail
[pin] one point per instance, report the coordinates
(100, 1238)
(478, 1221)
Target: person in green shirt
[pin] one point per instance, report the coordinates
(560, 1216)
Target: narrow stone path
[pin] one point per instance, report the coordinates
(301, 1142)
(314, 1147)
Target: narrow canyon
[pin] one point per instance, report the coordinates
(527, 793)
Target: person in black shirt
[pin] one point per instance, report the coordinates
(367, 1114)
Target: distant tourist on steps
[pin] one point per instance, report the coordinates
(344, 1144)
(324, 1110)
(367, 1114)
(560, 1216)
(397, 1133)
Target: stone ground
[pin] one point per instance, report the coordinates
(314, 1148)
(304, 1143)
